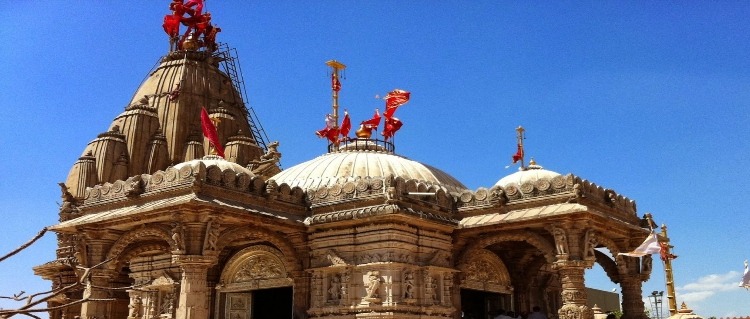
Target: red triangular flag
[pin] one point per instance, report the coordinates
(346, 125)
(209, 131)
(519, 154)
(392, 125)
(335, 83)
(394, 99)
(373, 122)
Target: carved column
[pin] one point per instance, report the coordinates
(194, 294)
(98, 309)
(631, 278)
(573, 290)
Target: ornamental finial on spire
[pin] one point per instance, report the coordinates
(200, 32)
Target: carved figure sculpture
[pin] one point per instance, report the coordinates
(267, 163)
(135, 307)
(177, 237)
(429, 288)
(334, 288)
(590, 242)
(373, 284)
(561, 241)
(409, 285)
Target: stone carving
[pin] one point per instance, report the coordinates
(440, 258)
(334, 258)
(334, 288)
(345, 286)
(178, 237)
(135, 186)
(408, 285)
(430, 287)
(167, 304)
(259, 266)
(573, 311)
(561, 240)
(372, 286)
(590, 242)
(212, 235)
(447, 285)
(266, 165)
(135, 307)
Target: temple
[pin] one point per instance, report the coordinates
(166, 228)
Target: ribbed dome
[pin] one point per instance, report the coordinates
(350, 163)
(532, 173)
(161, 126)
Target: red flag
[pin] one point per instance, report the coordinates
(346, 125)
(373, 122)
(330, 131)
(392, 125)
(335, 84)
(664, 252)
(519, 154)
(209, 131)
(393, 100)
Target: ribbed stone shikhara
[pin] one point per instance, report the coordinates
(358, 232)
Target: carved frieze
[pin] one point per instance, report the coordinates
(255, 267)
(483, 270)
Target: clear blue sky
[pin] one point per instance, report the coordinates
(647, 98)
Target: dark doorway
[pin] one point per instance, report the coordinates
(477, 304)
(274, 303)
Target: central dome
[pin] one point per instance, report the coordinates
(360, 160)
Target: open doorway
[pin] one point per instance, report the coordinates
(274, 303)
(476, 304)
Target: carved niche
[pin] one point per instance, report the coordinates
(256, 267)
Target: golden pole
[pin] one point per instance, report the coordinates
(335, 78)
(667, 259)
(520, 138)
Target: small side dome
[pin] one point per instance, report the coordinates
(532, 173)
(218, 161)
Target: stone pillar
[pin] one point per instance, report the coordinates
(98, 309)
(632, 299)
(194, 293)
(573, 290)
(631, 280)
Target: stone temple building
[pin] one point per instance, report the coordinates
(164, 229)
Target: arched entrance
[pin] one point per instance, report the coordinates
(255, 285)
(485, 285)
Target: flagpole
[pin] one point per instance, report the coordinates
(668, 271)
(519, 135)
(336, 67)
